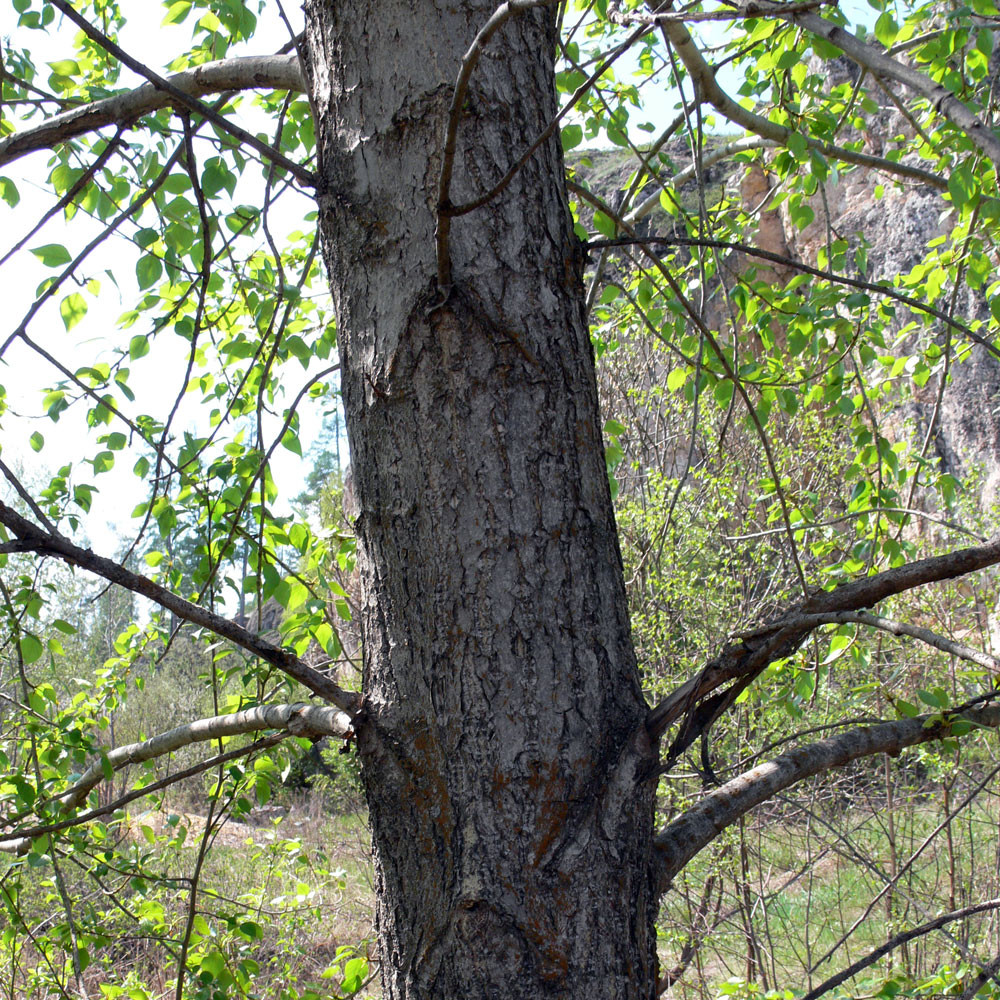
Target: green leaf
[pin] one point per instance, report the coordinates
(83, 494)
(31, 648)
(177, 12)
(217, 177)
(355, 973)
(52, 254)
(65, 67)
(138, 346)
(72, 309)
(962, 185)
(148, 270)
(886, 29)
(571, 136)
(9, 192)
(36, 441)
(723, 392)
(677, 378)
(928, 698)
(54, 403)
(604, 225)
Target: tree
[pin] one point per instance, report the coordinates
(510, 759)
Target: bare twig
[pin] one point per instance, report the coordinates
(896, 941)
(777, 258)
(894, 627)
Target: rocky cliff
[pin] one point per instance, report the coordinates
(896, 222)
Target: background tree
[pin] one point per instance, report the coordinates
(510, 759)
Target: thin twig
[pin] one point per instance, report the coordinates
(192, 103)
(776, 258)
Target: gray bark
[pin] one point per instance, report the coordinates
(504, 753)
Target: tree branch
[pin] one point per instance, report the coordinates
(277, 72)
(895, 942)
(21, 843)
(941, 642)
(499, 17)
(193, 104)
(707, 88)
(297, 719)
(710, 157)
(682, 839)
(745, 658)
(45, 543)
(883, 65)
(776, 258)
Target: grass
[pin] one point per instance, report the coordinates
(291, 901)
(794, 897)
(283, 904)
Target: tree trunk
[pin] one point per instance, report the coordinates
(504, 754)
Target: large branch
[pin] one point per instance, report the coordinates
(45, 543)
(295, 720)
(884, 66)
(745, 658)
(185, 100)
(276, 72)
(298, 719)
(682, 839)
(707, 88)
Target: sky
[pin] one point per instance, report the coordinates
(156, 378)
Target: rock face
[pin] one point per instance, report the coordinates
(897, 223)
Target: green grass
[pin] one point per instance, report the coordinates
(786, 889)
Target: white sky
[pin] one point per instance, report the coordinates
(156, 378)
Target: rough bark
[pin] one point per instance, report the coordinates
(504, 753)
